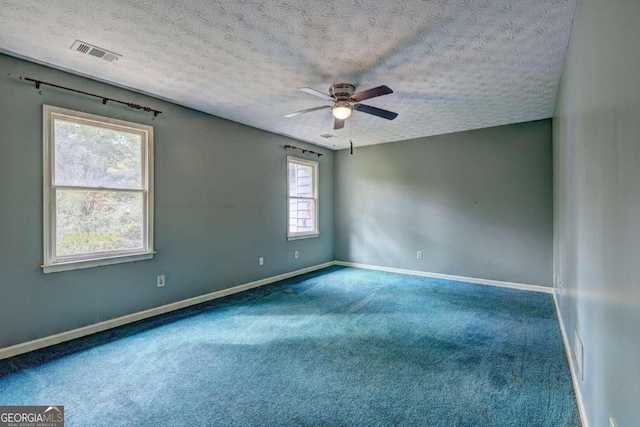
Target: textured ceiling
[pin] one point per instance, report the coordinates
(454, 64)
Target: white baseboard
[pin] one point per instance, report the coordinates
(134, 317)
(572, 369)
(521, 286)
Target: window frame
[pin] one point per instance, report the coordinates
(316, 197)
(51, 262)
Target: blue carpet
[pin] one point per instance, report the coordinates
(337, 347)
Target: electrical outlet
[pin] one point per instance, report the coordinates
(161, 280)
(261, 261)
(612, 422)
(419, 254)
(295, 254)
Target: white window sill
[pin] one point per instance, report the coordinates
(95, 262)
(303, 236)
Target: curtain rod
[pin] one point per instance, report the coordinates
(105, 99)
(303, 150)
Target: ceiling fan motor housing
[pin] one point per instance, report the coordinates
(342, 91)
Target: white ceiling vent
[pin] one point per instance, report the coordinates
(96, 51)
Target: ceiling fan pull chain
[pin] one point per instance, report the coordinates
(350, 141)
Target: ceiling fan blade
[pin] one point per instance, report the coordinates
(317, 93)
(338, 124)
(371, 93)
(308, 110)
(385, 114)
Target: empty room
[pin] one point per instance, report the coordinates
(320, 213)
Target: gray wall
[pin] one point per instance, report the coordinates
(477, 203)
(220, 201)
(596, 133)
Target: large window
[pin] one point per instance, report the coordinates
(302, 195)
(98, 190)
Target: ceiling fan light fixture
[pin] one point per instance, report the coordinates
(341, 110)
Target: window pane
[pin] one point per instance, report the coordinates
(301, 216)
(98, 221)
(300, 180)
(92, 156)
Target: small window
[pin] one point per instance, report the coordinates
(302, 195)
(98, 190)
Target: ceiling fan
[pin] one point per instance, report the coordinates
(342, 95)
